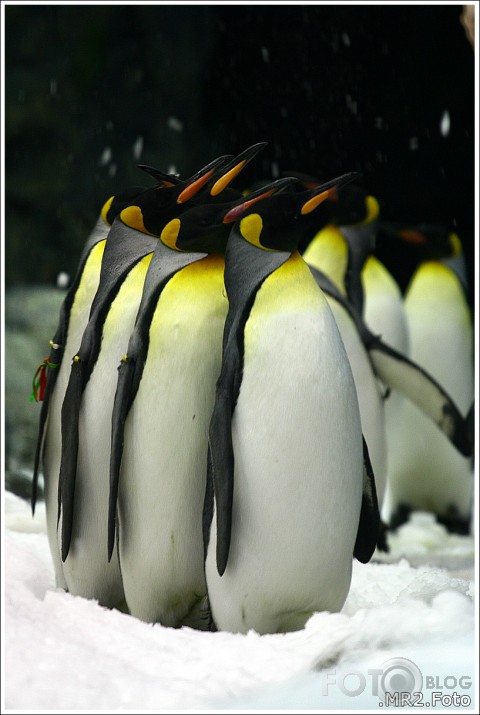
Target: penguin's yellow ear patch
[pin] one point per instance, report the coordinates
(132, 216)
(105, 209)
(372, 209)
(455, 243)
(251, 229)
(170, 233)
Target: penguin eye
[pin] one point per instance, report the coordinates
(132, 216)
(455, 244)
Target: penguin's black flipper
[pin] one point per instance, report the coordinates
(127, 247)
(400, 373)
(208, 503)
(108, 213)
(407, 377)
(68, 462)
(252, 254)
(57, 346)
(221, 463)
(164, 265)
(121, 406)
(369, 524)
(244, 274)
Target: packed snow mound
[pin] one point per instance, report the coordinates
(67, 653)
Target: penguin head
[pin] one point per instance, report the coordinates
(353, 204)
(403, 247)
(205, 228)
(151, 210)
(218, 188)
(116, 203)
(281, 221)
(426, 241)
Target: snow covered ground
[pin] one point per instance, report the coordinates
(417, 604)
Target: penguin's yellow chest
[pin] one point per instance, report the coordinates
(435, 283)
(90, 278)
(328, 252)
(128, 297)
(289, 297)
(376, 279)
(193, 295)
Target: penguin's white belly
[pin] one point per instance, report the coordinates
(298, 467)
(384, 314)
(163, 472)
(53, 439)
(430, 473)
(87, 570)
(370, 397)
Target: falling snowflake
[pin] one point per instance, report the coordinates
(137, 148)
(105, 157)
(445, 124)
(175, 124)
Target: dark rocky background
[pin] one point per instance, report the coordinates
(93, 90)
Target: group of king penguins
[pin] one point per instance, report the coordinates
(237, 387)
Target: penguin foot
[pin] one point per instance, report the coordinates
(207, 617)
(200, 616)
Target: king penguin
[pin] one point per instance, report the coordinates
(379, 369)
(341, 252)
(88, 402)
(73, 319)
(290, 492)
(160, 420)
(87, 405)
(427, 472)
(83, 298)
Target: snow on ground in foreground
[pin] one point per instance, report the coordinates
(63, 652)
